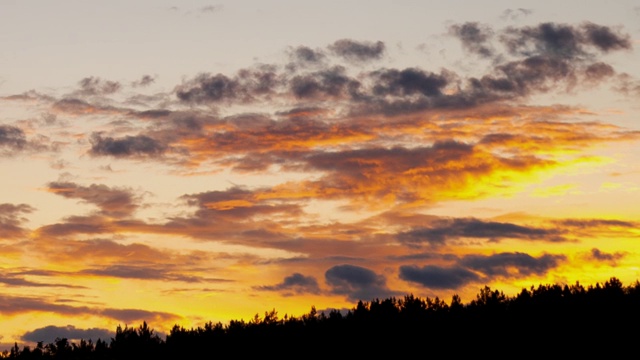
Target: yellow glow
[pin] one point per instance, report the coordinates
(557, 190)
(228, 205)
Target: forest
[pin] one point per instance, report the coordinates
(552, 319)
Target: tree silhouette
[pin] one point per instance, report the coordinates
(600, 314)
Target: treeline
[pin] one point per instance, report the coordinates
(569, 316)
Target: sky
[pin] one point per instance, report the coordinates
(186, 162)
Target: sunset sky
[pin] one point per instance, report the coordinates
(185, 162)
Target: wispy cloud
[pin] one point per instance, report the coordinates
(13, 305)
(12, 217)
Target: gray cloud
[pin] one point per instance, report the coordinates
(14, 281)
(474, 268)
(563, 41)
(296, 284)
(331, 82)
(408, 82)
(522, 77)
(246, 86)
(450, 229)
(140, 272)
(48, 334)
(306, 55)
(208, 88)
(609, 258)
(13, 141)
(595, 223)
(140, 145)
(474, 37)
(145, 80)
(436, 277)
(137, 315)
(512, 264)
(598, 71)
(95, 224)
(236, 203)
(357, 283)
(96, 86)
(11, 220)
(604, 38)
(12, 138)
(13, 305)
(113, 202)
(545, 57)
(358, 50)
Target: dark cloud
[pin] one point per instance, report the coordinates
(598, 71)
(236, 203)
(139, 145)
(628, 85)
(306, 55)
(113, 202)
(512, 264)
(451, 229)
(604, 38)
(595, 223)
(11, 220)
(557, 40)
(474, 37)
(474, 268)
(11, 139)
(153, 114)
(140, 272)
(522, 77)
(370, 172)
(246, 86)
(14, 305)
(436, 277)
(421, 256)
(208, 88)
(409, 82)
(97, 251)
(332, 82)
(358, 50)
(14, 281)
(609, 258)
(357, 283)
(145, 80)
(77, 225)
(296, 284)
(563, 41)
(49, 334)
(547, 57)
(129, 316)
(96, 86)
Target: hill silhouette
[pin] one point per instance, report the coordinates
(548, 320)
